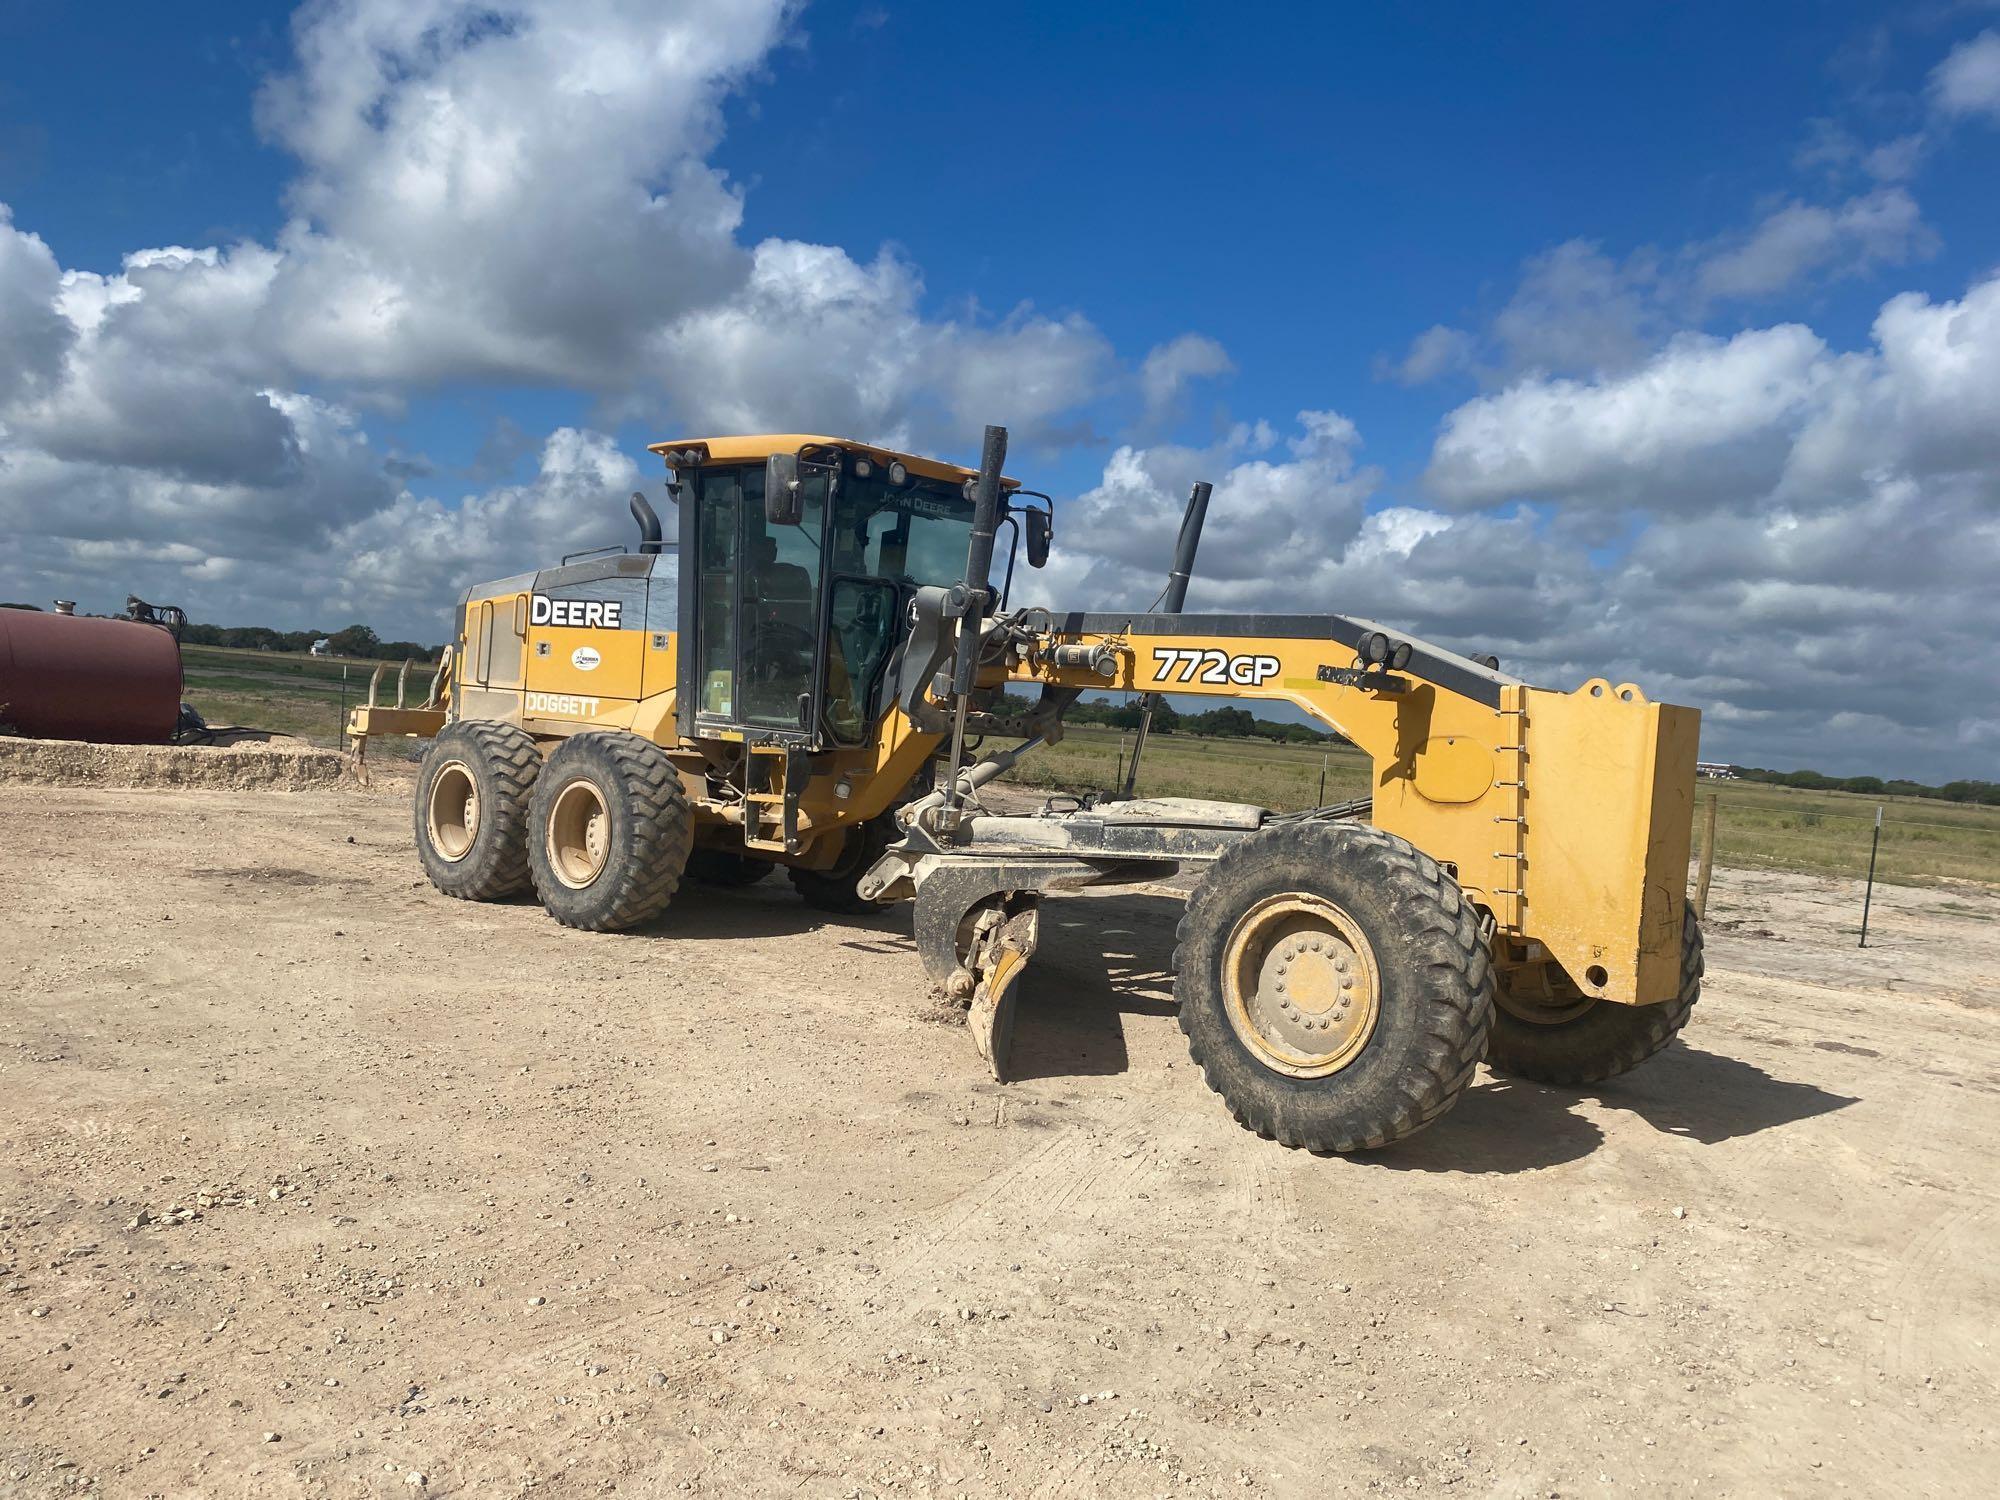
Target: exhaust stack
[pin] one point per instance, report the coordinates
(1175, 597)
(649, 524)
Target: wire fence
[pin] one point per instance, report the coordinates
(1874, 843)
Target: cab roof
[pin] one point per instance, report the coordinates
(756, 447)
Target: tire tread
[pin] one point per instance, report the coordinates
(1619, 1038)
(661, 835)
(1443, 934)
(510, 756)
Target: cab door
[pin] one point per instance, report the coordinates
(752, 610)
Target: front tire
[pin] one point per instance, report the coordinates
(1334, 985)
(610, 829)
(472, 809)
(1576, 1040)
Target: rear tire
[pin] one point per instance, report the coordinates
(833, 889)
(726, 870)
(472, 809)
(1333, 985)
(1605, 1039)
(610, 829)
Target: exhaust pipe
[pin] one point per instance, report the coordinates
(649, 524)
(1175, 598)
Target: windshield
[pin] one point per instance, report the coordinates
(916, 533)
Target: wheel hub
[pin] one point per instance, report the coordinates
(1301, 983)
(579, 835)
(1312, 979)
(453, 814)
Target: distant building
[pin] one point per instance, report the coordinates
(1715, 770)
(322, 648)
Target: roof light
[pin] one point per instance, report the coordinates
(898, 475)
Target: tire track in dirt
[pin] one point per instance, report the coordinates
(1937, 1276)
(1079, 1176)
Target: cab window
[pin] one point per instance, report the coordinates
(914, 534)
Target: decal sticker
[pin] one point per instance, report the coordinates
(591, 614)
(1215, 668)
(562, 705)
(585, 658)
(1372, 678)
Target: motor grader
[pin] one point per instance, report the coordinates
(796, 681)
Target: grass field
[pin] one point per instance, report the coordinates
(1773, 827)
(1271, 775)
(286, 692)
(1770, 827)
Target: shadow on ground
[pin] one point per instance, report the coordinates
(1103, 959)
(769, 909)
(1512, 1125)
(1098, 962)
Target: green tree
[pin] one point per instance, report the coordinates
(355, 640)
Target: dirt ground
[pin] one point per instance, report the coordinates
(315, 1182)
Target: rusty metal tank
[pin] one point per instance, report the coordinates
(74, 677)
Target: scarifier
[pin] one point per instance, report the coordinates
(794, 683)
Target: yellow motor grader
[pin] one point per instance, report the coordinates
(794, 683)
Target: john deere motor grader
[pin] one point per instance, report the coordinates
(795, 682)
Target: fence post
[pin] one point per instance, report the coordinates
(1707, 860)
(1868, 894)
(340, 725)
(1322, 780)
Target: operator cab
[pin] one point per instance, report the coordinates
(800, 557)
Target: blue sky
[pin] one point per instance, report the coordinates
(1550, 329)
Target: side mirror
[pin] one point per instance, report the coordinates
(784, 502)
(1041, 530)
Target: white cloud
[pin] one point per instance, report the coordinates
(1435, 352)
(517, 194)
(1772, 411)
(1883, 227)
(1897, 159)
(1278, 516)
(1170, 368)
(1758, 523)
(1701, 412)
(394, 558)
(1784, 529)
(528, 197)
(812, 332)
(1577, 310)
(1967, 82)
(483, 196)
(34, 336)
